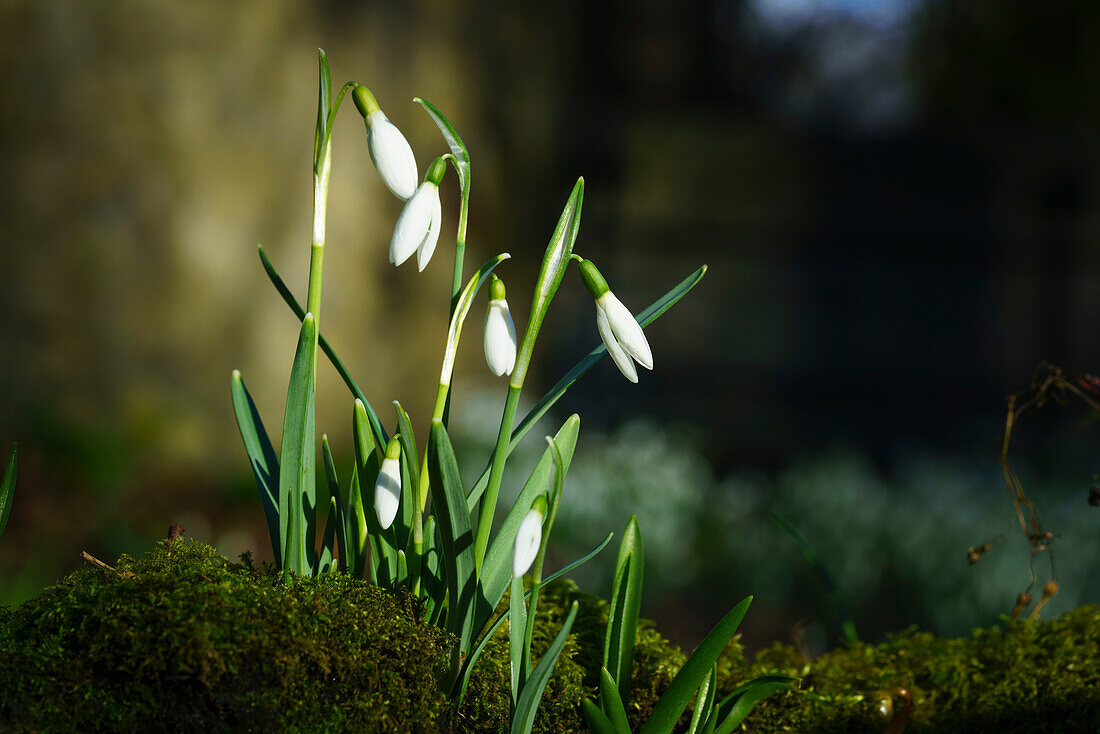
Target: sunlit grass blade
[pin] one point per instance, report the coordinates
(454, 142)
(597, 720)
(297, 487)
(517, 637)
(7, 488)
(616, 712)
(622, 617)
(380, 434)
(358, 539)
(324, 562)
(733, 709)
(524, 716)
(676, 697)
(265, 464)
(701, 718)
(456, 535)
(645, 318)
(336, 494)
(496, 572)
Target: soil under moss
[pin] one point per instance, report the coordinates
(185, 640)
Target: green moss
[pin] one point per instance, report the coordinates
(184, 640)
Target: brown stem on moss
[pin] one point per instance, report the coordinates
(94, 561)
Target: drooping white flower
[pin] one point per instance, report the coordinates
(418, 225)
(500, 331)
(620, 332)
(528, 539)
(387, 490)
(390, 152)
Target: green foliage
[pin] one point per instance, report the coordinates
(187, 641)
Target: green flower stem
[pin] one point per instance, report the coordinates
(500, 455)
(456, 278)
(422, 496)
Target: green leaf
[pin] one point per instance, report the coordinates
(324, 564)
(496, 572)
(456, 535)
(408, 442)
(402, 568)
(527, 706)
(7, 488)
(454, 142)
(380, 435)
(613, 702)
(701, 718)
(334, 492)
(598, 723)
(297, 487)
(676, 698)
(265, 465)
(519, 657)
(733, 709)
(645, 318)
(626, 601)
(431, 584)
(320, 138)
(580, 561)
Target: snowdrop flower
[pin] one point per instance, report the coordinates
(417, 228)
(387, 490)
(388, 148)
(621, 333)
(500, 332)
(528, 538)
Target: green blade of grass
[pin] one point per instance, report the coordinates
(324, 563)
(297, 487)
(613, 702)
(517, 636)
(598, 723)
(261, 455)
(645, 318)
(334, 492)
(701, 717)
(626, 601)
(7, 488)
(677, 696)
(529, 698)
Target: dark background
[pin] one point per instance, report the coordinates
(897, 202)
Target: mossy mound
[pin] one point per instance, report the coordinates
(184, 640)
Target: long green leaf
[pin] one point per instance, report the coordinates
(676, 698)
(454, 142)
(701, 718)
(733, 709)
(613, 705)
(626, 601)
(408, 442)
(496, 572)
(645, 318)
(519, 657)
(261, 455)
(7, 488)
(598, 723)
(323, 105)
(456, 535)
(527, 706)
(469, 665)
(297, 486)
(336, 494)
(380, 435)
(324, 563)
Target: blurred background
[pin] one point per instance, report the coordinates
(899, 202)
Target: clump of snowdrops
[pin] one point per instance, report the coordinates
(406, 518)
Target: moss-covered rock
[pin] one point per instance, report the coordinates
(184, 640)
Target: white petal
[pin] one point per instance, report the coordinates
(431, 237)
(392, 155)
(413, 223)
(618, 356)
(387, 492)
(627, 330)
(528, 538)
(500, 339)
